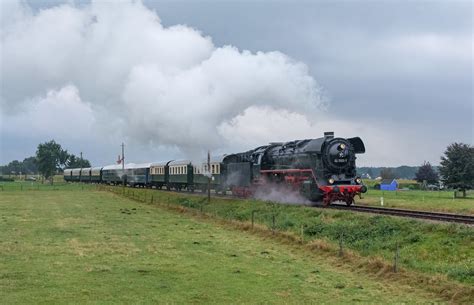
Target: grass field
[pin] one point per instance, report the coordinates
(74, 246)
(433, 248)
(441, 201)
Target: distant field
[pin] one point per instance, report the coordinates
(74, 246)
(441, 201)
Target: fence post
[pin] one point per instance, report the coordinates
(253, 218)
(145, 197)
(151, 200)
(21, 187)
(395, 259)
(341, 250)
(273, 223)
(302, 233)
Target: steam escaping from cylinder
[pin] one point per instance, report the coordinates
(167, 86)
(280, 194)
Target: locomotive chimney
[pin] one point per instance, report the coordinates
(329, 134)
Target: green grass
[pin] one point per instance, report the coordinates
(38, 186)
(441, 201)
(429, 247)
(74, 246)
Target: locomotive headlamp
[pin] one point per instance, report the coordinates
(342, 146)
(331, 180)
(358, 180)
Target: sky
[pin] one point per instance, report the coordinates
(173, 79)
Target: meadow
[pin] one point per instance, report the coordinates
(71, 244)
(440, 201)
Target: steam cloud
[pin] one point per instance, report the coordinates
(161, 85)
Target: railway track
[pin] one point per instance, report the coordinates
(446, 217)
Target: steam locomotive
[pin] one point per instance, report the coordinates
(320, 170)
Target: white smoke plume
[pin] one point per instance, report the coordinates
(167, 86)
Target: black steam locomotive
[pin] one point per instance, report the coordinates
(320, 169)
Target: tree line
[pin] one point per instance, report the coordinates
(49, 160)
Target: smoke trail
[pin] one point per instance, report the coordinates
(168, 86)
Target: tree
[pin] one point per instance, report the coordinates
(426, 173)
(457, 167)
(50, 158)
(370, 173)
(29, 165)
(387, 173)
(75, 162)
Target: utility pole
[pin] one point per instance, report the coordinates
(80, 175)
(209, 177)
(123, 166)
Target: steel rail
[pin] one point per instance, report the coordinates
(447, 217)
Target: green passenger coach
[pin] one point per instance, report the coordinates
(76, 174)
(159, 174)
(96, 173)
(180, 175)
(215, 172)
(85, 175)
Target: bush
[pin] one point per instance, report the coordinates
(6, 179)
(410, 186)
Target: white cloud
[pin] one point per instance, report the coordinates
(60, 113)
(162, 85)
